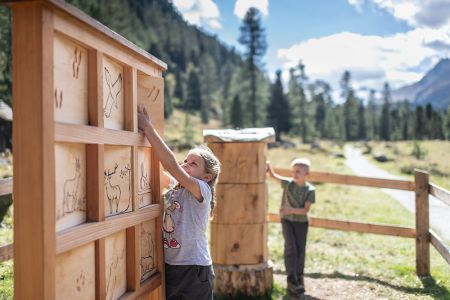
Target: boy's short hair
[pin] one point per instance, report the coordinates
(301, 162)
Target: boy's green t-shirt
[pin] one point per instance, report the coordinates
(296, 196)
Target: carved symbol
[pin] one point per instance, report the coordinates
(153, 93)
(147, 257)
(80, 281)
(112, 276)
(72, 200)
(144, 185)
(76, 62)
(114, 89)
(58, 102)
(114, 192)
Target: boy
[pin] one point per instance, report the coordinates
(298, 195)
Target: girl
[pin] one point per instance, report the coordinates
(189, 273)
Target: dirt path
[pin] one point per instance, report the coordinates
(439, 211)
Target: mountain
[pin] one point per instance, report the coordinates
(433, 88)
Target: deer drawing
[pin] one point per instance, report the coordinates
(143, 181)
(70, 200)
(112, 191)
(114, 89)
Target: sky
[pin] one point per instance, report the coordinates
(378, 41)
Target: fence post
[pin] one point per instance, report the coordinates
(422, 224)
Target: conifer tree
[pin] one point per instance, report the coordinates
(278, 111)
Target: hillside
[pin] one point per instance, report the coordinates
(433, 88)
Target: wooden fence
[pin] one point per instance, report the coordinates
(421, 232)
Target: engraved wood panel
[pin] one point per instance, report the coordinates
(118, 180)
(150, 92)
(75, 273)
(113, 91)
(115, 264)
(148, 249)
(70, 71)
(70, 185)
(144, 191)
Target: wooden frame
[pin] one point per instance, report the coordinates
(71, 75)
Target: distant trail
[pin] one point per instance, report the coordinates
(439, 212)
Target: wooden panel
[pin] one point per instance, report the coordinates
(70, 165)
(147, 250)
(150, 289)
(95, 135)
(130, 92)
(353, 180)
(144, 191)
(95, 88)
(115, 264)
(34, 169)
(6, 186)
(239, 244)
(75, 273)
(113, 91)
(440, 193)
(241, 162)
(241, 203)
(118, 182)
(440, 246)
(422, 224)
(150, 93)
(88, 232)
(70, 71)
(95, 182)
(133, 258)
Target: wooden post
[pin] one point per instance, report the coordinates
(422, 224)
(239, 228)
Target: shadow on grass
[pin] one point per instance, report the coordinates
(430, 286)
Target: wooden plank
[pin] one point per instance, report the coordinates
(241, 162)
(92, 39)
(133, 255)
(422, 224)
(392, 230)
(113, 94)
(115, 265)
(95, 88)
(353, 180)
(239, 244)
(147, 287)
(6, 252)
(130, 95)
(440, 193)
(100, 265)
(6, 186)
(95, 198)
(34, 168)
(147, 246)
(150, 94)
(440, 246)
(85, 233)
(241, 203)
(95, 135)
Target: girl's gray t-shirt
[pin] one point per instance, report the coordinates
(185, 224)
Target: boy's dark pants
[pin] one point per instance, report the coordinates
(295, 234)
(189, 282)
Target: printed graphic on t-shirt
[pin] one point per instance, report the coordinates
(169, 225)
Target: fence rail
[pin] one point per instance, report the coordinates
(421, 186)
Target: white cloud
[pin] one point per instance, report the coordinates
(399, 59)
(417, 13)
(199, 12)
(241, 7)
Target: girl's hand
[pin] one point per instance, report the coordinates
(143, 118)
(285, 211)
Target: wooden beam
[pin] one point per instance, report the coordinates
(100, 267)
(440, 193)
(6, 186)
(34, 151)
(392, 230)
(89, 232)
(353, 180)
(6, 252)
(95, 183)
(95, 88)
(146, 288)
(440, 246)
(422, 224)
(133, 258)
(96, 135)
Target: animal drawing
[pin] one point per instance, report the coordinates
(112, 276)
(58, 101)
(113, 192)
(125, 174)
(76, 63)
(144, 184)
(71, 198)
(114, 89)
(147, 254)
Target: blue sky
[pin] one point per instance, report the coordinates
(376, 40)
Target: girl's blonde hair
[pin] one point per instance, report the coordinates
(212, 166)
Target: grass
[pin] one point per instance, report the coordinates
(403, 158)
